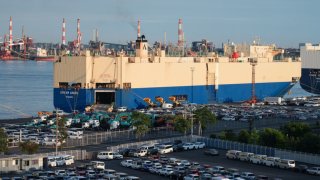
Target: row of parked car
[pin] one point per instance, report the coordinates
(270, 161)
(175, 168)
(93, 170)
(153, 149)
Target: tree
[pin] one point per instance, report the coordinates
(3, 141)
(141, 122)
(254, 137)
(244, 136)
(310, 143)
(230, 135)
(204, 117)
(295, 129)
(272, 138)
(181, 124)
(29, 147)
(62, 130)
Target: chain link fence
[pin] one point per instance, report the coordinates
(110, 137)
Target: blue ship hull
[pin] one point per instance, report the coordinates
(310, 80)
(71, 99)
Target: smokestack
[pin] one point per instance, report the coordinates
(10, 33)
(180, 34)
(78, 33)
(63, 32)
(97, 35)
(139, 34)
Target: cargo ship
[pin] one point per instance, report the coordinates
(124, 80)
(310, 70)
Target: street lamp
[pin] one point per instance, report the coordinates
(192, 70)
(191, 109)
(57, 135)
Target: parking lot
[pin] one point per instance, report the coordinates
(221, 160)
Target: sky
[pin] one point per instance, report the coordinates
(285, 23)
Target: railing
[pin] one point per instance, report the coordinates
(269, 151)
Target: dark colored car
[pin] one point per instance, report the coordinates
(301, 168)
(211, 152)
(262, 177)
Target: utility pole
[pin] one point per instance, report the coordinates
(57, 135)
(253, 63)
(192, 70)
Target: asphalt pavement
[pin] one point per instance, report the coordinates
(221, 160)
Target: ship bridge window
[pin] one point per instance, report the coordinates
(65, 85)
(126, 85)
(106, 85)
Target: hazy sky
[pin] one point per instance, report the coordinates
(283, 22)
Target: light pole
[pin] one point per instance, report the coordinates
(192, 108)
(57, 135)
(192, 70)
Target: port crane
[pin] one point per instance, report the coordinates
(173, 99)
(149, 102)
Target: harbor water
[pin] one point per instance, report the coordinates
(26, 88)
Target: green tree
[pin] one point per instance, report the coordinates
(203, 117)
(141, 122)
(3, 141)
(181, 124)
(29, 147)
(244, 136)
(228, 135)
(272, 138)
(62, 130)
(254, 137)
(295, 129)
(310, 143)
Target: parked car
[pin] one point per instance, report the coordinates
(126, 163)
(211, 152)
(109, 155)
(285, 163)
(314, 170)
(97, 164)
(122, 109)
(199, 145)
(188, 146)
(140, 153)
(257, 158)
(248, 175)
(164, 149)
(270, 161)
(245, 156)
(191, 177)
(233, 154)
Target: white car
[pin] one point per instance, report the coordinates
(314, 170)
(185, 163)
(122, 109)
(109, 155)
(126, 163)
(200, 145)
(248, 175)
(191, 177)
(270, 161)
(98, 164)
(155, 170)
(257, 158)
(188, 146)
(233, 154)
(166, 171)
(140, 153)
